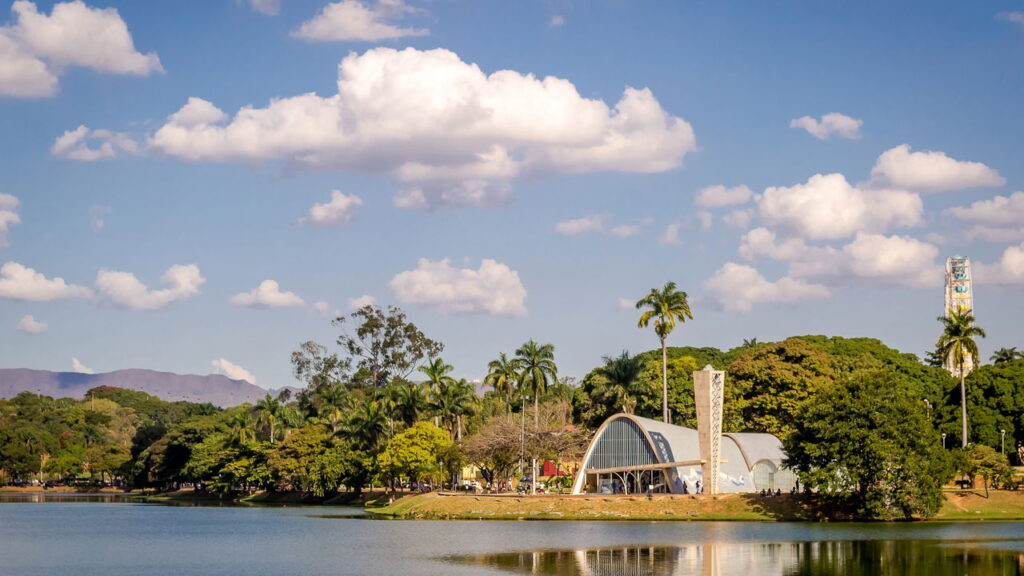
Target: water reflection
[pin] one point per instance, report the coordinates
(829, 558)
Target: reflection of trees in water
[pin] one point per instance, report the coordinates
(831, 558)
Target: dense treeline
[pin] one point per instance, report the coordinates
(383, 409)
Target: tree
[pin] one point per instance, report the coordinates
(664, 307)
(537, 369)
(1006, 355)
(368, 425)
(617, 381)
(502, 375)
(451, 401)
(410, 401)
(385, 345)
(957, 344)
(414, 453)
(272, 412)
(865, 444)
(309, 461)
(986, 462)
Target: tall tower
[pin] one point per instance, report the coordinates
(959, 298)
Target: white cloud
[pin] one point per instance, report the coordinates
(352, 20)
(38, 47)
(267, 295)
(74, 144)
(8, 216)
(930, 171)
(670, 237)
(833, 124)
(872, 259)
(739, 218)
(339, 211)
(232, 370)
(999, 211)
(737, 287)
(266, 7)
(995, 235)
(585, 225)
(364, 300)
(77, 366)
(556, 21)
(197, 113)
(1015, 17)
(29, 325)
(97, 217)
(493, 288)
(1008, 270)
(719, 196)
(126, 291)
(761, 242)
(704, 219)
(20, 282)
(449, 134)
(828, 207)
(627, 230)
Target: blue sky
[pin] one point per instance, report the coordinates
(504, 170)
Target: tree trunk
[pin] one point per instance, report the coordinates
(963, 407)
(664, 382)
(536, 411)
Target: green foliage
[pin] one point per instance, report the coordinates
(309, 461)
(996, 397)
(385, 345)
(415, 453)
(979, 460)
(866, 443)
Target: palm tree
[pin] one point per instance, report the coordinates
(502, 375)
(664, 307)
(437, 372)
(240, 428)
(367, 425)
(749, 343)
(453, 400)
(957, 345)
(271, 411)
(410, 401)
(537, 369)
(618, 375)
(1006, 355)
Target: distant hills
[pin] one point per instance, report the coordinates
(214, 388)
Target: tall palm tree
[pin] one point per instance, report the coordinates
(502, 375)
(618, 375)
(272, 411)
(437, 373)
(240, 428)
(537, 370)
(1006, 355)
(410, 401)
(958, 345)
(664, 307)
(368, 425)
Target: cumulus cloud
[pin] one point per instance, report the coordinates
(77, 366)
(339, 211)
(627, 230)
(232, 370)
(448, 133)
(20, 282)
(126, 291)
(761, 242)
(872, 259)
(828, 207)
(670, 237)
(361, 301)
(999, 211)
(266, 7)
(1016, 17)
(719, 196)
(930, 171)
(352, 20)
(579, 226)
(29, 325)
(492, 289)
(1008, 270)
(704, 219)
(834, 124)
(995, 235)
(556, 21)
(8, 216)
(75, 144)
(37, 48)
(267, 295)
(737, 287)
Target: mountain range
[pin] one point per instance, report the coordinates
(213, 388)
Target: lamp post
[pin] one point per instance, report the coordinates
(943, 440)
(1002, 441)
(928, 407)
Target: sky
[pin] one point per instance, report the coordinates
(198, 187)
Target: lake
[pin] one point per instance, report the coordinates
(103, 536)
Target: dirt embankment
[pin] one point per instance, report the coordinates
(745, 507)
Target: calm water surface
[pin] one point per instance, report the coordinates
(111, 537)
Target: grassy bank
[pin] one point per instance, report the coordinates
(735, 507)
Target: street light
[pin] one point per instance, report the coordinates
(1002, 441)
(943, 440)
(928, 405)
